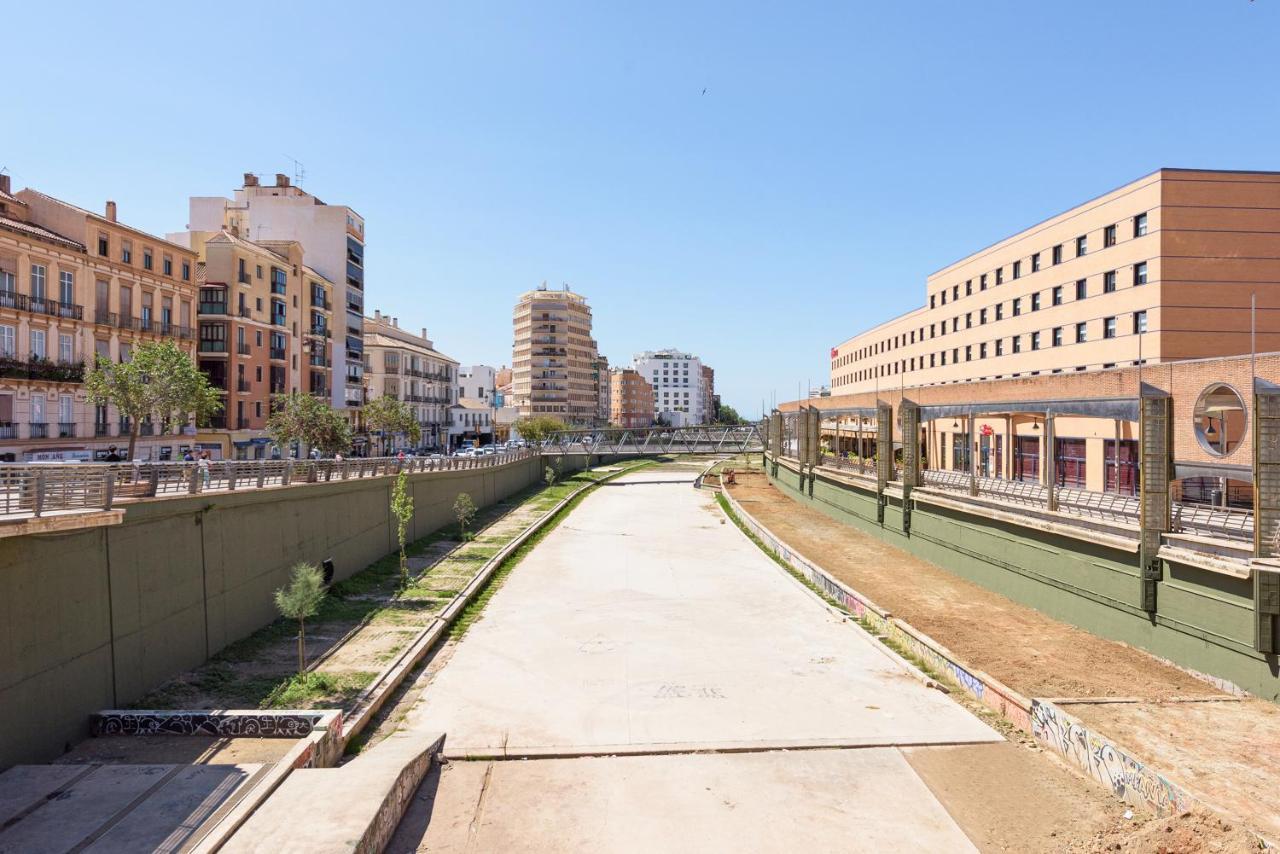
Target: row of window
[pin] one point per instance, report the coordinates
(37, 340)
(1034, 302)
(148, 256)
(1109, 238)
(1057, 338)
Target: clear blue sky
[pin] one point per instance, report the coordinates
(841, 153)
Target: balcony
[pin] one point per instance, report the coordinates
(106, 318)
(39, 430)
(321, 302)
(211, 346)
(211, 308)
(218, 422)
(124, 427)
(8, 430)
(101, 429)
(321, 332)
(242, 348)
(277, 353)
(125, 321)
(243, 385)
(41, 369)
(146, 428)
(242, 423)
(318, 360)
(66, 429)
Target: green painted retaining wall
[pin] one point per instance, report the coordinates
(96, 618)
(1204, 620)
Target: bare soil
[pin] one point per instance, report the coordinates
(1226, 752)
(171, 749)
(1049, 659)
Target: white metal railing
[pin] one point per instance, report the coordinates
(38, 489)
(656, 440)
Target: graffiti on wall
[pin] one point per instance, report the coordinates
(1129, 779)
(217, 724)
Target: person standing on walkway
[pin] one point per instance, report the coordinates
(204, 468)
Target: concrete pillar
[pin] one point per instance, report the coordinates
(775, 438)
(910, 444)
(1266, 513)
(972, 448)
(1155, 454)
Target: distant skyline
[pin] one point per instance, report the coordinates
(748, 182)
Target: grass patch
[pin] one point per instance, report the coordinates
(305, 690)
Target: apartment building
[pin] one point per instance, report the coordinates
(600, 376)
(676, 378)
(470, 420)
(630, 399)
(333, 240)
(478, 382)
(1161, 269)
(409, 368)
(264, 330)
(710, 400)
(554, 357)
(75, 285)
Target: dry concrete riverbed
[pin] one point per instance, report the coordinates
(647, 679)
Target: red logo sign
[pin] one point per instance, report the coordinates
(986, 430)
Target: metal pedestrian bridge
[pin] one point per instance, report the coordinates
(656, 440)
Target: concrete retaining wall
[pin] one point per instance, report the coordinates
(1204, 620)
(96, 618)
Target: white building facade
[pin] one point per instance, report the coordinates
(676, 377)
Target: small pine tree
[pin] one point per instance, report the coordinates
(464, 509)
(550, 476)
(402, 508)
(300, 599)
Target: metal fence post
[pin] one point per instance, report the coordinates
(230, 468)
(262, 473)
(37, 503)
(287, 477)
(884, 454)
(109, 490)
(1050, 462)
(193, 483)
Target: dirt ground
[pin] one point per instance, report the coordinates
(1052, 659)
(167, 749)
(1211, 747)
(1229, 751)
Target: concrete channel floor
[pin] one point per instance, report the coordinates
(643, 625)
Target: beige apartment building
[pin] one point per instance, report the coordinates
(630, 399)
(409, 368)
(264, 330)
(554, 358)
(73, 285)
(1160, 269)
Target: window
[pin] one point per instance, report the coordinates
(7, 345)
(186, 271)
(1109, 236)
(1139, 322)
(66, 349)
(1082, 245)
(1082, 332)
(1140, 225)
(1035, 340)
(66, 286)
(999, 275)
(1016, 343)
(982, 316)
(1140, 273)
(258, 270)
(999, 346)
(933, 300)
(1057, 336)
(279, 281)
(1057, 295)
(944, 297)
(982, 351)
(104, 245)
(1057, 254)
(999, 311)
(968, 320)
(64, 409)
(968, 353)
(1109, 327)
(968, 287)
(955, 323)
(1017, 306)
(37, 344)
(1035, 301)
(37, 281)
(1082, 289)
(126, 252)
(167, 266)
(955, 292)
(1108, 281)
(147, 260)
(1017, 269)
(982, 282)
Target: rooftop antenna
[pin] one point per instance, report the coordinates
(299, 171)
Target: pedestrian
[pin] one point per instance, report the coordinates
(204, 468)
(187, 457)
(338, 457)
(113, 456)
